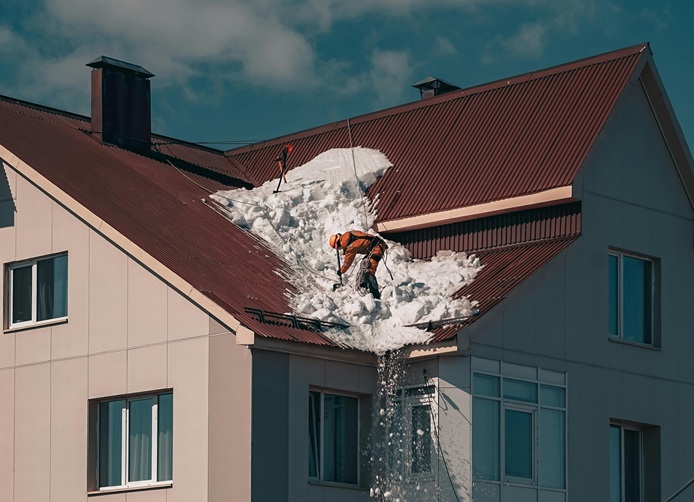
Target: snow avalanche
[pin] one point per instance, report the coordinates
(324, 197)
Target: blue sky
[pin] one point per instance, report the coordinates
(256, 69)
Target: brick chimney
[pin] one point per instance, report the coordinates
(121, 109)
(432, 86)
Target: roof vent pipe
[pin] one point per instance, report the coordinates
(432, 86)
(121, 108)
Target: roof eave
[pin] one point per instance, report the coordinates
(553, 196)
(110, 233)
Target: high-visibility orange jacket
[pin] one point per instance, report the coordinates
(355, 242)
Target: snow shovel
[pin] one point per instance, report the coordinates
(338, 284)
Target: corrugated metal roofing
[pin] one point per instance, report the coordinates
(159, 208)
(500, 140)
(504, 270)
(494, 231)
(513, 137)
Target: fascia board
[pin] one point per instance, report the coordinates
(559, 195)
(316, 351)
(122, 242)
(661, 107)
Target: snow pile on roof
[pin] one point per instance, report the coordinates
(324, 197)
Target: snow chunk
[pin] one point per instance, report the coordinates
(326, 196)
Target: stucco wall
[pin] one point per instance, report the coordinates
(127, 332)
(633, 200)
(281, 385)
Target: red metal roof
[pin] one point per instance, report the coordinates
(517, 136)
(159, 208)
(508, 138)
(491, 232)
(504, 270)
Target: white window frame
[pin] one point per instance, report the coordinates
(533, 408)
(428, 398)
(33, 263)
(125, 444)
(533, 412)
(620, 296)
(320, 466)
(622, 477)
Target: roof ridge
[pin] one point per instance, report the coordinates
(443, 98)
(43, 108)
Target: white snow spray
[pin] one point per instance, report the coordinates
(325, 197)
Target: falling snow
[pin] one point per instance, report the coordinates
(326, 196)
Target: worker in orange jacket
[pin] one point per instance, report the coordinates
(355, 242)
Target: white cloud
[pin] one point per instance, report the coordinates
(443, 47)
(172, 36)
(200, 45)
(390, 75)
(531, 38)
(527, 43)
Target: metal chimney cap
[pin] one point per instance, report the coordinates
(105, 61)
(431, 82)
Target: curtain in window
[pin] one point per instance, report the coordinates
(165, 438)
(637, 299)
(51, 283)
(21, 294)
(615, 463)
(313, 433)
(613, 262)
(632, 464)
(110, 443)
(140, 440)
(340, 425)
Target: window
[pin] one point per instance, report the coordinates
(37, 291)
(411, 434)
(134, 440)
(333, 430)
(625, 464)
(518, 431)
(631, 297)
(634, 462)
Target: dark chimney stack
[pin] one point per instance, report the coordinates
(121, 108)
(432, 86)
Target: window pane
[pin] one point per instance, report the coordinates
(396, 439)
(518, 440)
(615, 463)
(21, 294)
(632, 465)
(637, 299)
(140, 440)
(552, 396)
(485, 385)
(51, 283)
(614, 295)
(485, 439)
(165, 438)
(313, 433)
(340, 423)
(552, 458)
(520, 391)
(421, 439)
(110, 443)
